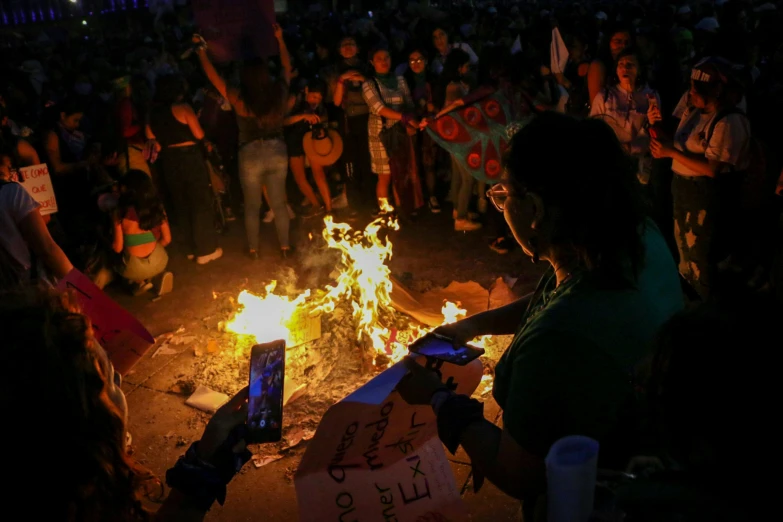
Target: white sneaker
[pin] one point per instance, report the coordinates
(203, 260)
(166, 284)
(269, 216)
(465, 225)
(291, 214)
(340, 201)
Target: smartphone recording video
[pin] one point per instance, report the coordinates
(265, 396)
(442, 348)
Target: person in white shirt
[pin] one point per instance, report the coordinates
(624, 104)
(710, 151)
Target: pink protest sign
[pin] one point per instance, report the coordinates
(235, 29)
(122, 336)
(38, 183)
(377, 458)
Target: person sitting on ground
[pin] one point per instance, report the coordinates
(70, 393)
(141, 233)
(612, 283)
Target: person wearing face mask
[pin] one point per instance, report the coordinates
(624, 104)
(610, 285)
(710, 151)
(602, 65)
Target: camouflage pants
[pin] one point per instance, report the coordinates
(703, 228)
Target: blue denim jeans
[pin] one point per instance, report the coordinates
(264, 163)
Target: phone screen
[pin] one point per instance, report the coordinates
(265, 396)
(441, 348)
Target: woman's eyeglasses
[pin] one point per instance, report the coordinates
(416, 61)
(498, 194)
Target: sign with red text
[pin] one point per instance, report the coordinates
(236, 29)
(38, 183)
(375, 458)
(122, 336)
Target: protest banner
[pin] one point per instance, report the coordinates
(122, 336)
(236, 29)
(38, 183)
(375, 458)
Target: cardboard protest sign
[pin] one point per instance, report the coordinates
(377, 458)
(236, 29)
(122, 336)
(304, 328)
(38, 183)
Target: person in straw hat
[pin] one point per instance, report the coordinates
(308, 110)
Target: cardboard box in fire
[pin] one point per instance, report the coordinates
(304, 328)
(38, 183)
(376, 458)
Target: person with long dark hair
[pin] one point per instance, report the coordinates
(624, 103)
(141, 234)
(421, 84)
(600, 69)
(178, 133)
(260, 104)
(610, 285)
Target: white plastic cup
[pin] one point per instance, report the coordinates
(571, 468)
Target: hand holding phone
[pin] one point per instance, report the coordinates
(265, 392)
(445, 349)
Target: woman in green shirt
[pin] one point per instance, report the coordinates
(570, 197)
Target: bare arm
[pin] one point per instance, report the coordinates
(596, 79)
(285, 58)
(27, 153)
(117, 243)
(212, 75)
(500, 321)
(53, 151)
(375, 103)
(37, 237)
(165, 234)
(192, 121)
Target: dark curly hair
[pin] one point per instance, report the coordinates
(55, 392)
(138, 192)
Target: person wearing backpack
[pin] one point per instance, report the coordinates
(25, 238)
(710, 156)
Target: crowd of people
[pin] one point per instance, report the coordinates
(645, 174)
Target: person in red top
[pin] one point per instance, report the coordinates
(130, 127)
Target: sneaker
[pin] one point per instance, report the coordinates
(434, 205)
(166, 284)
(252, 254)
(465, 225)
(340, 201)
(287, 253)
(269, 216)
(203, 260)
(291, 214)
(141, 288)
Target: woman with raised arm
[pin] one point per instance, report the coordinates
(260, 103)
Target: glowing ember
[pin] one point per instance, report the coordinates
(265, 317)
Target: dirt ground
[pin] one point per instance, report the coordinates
(427, 253)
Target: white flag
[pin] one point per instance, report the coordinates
(558, 52)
